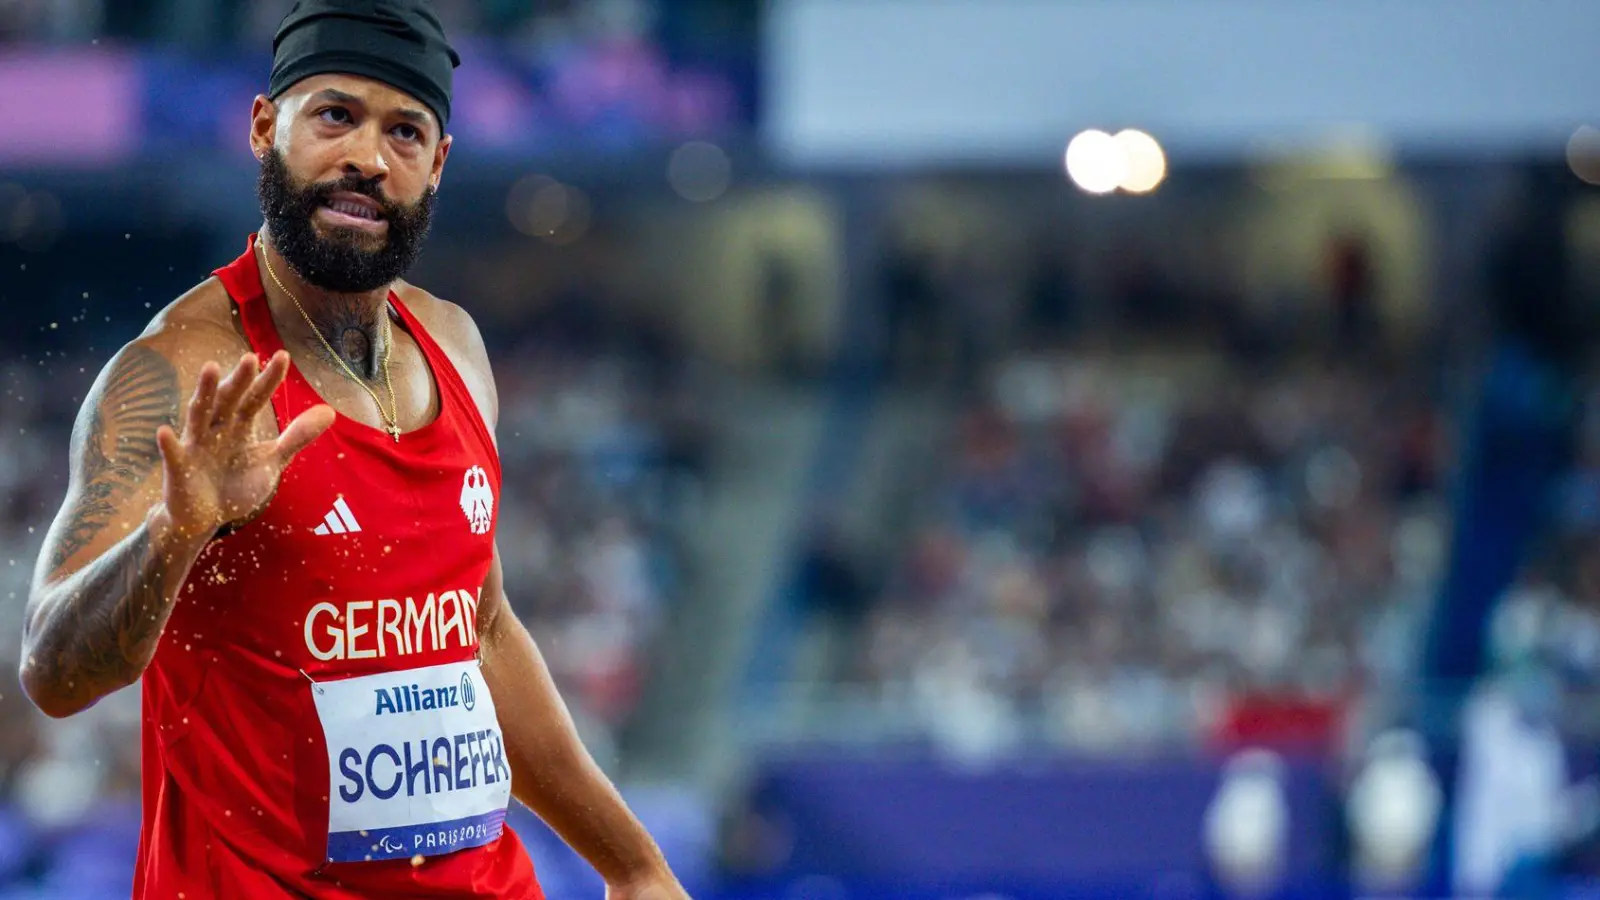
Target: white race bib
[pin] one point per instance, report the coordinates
(416, 763)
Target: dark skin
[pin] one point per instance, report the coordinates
(167, 450)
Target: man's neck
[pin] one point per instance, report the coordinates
(351, 325)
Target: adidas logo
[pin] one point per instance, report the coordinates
(338, 521)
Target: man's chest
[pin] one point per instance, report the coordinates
(360, 563)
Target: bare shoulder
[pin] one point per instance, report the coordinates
(140, 386)
(199, 327)
(457, 334)
(196, 328)
(451, 326)
(114, 461)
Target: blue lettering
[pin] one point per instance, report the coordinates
(441, 764)
(500, 757)
(450, 693)
(419, 767)
(385, 702)
(429, 701)
(348, 759)
(461, 760)
(475, 742)
(391, 790)
(488, 776)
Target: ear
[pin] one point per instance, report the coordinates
(263, 125)
(439, 154)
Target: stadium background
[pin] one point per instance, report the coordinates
(908, 506)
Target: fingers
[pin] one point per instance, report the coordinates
(232, 391)
(170, 445)
(306, 427)
(235, 400)
(203, 404)
(260, 391)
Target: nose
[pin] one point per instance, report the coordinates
(363, 156)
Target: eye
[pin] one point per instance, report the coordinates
(408, 132)
(336, 115)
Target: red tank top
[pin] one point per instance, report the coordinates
(315, 724)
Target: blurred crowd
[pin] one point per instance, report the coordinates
(1171, 510)
(247, 19)
(1112, 552)
(604, 462)
(254, 21)
(544, 78)
(1108, 552)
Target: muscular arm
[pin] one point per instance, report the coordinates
(112, 561)
(551, 772)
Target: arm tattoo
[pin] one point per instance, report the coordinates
(140, 395)
(95, 630)
(109, 622)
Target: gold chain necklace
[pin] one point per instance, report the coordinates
(393, 422)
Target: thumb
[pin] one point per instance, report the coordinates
(306, 427)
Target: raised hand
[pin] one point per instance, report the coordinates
(217, 473)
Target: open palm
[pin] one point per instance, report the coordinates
(217, 472)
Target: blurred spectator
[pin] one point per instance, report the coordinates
(1394, 806)
(53, 20)
(1352, 288)
(1247, 826)
(833, 592)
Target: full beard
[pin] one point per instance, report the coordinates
(341, 260)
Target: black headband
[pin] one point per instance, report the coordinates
(398, 42)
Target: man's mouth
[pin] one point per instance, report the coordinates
(355, 205)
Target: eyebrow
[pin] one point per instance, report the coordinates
(334, 95)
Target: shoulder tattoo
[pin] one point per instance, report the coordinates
(118, 450)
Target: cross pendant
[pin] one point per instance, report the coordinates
(394, 432)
